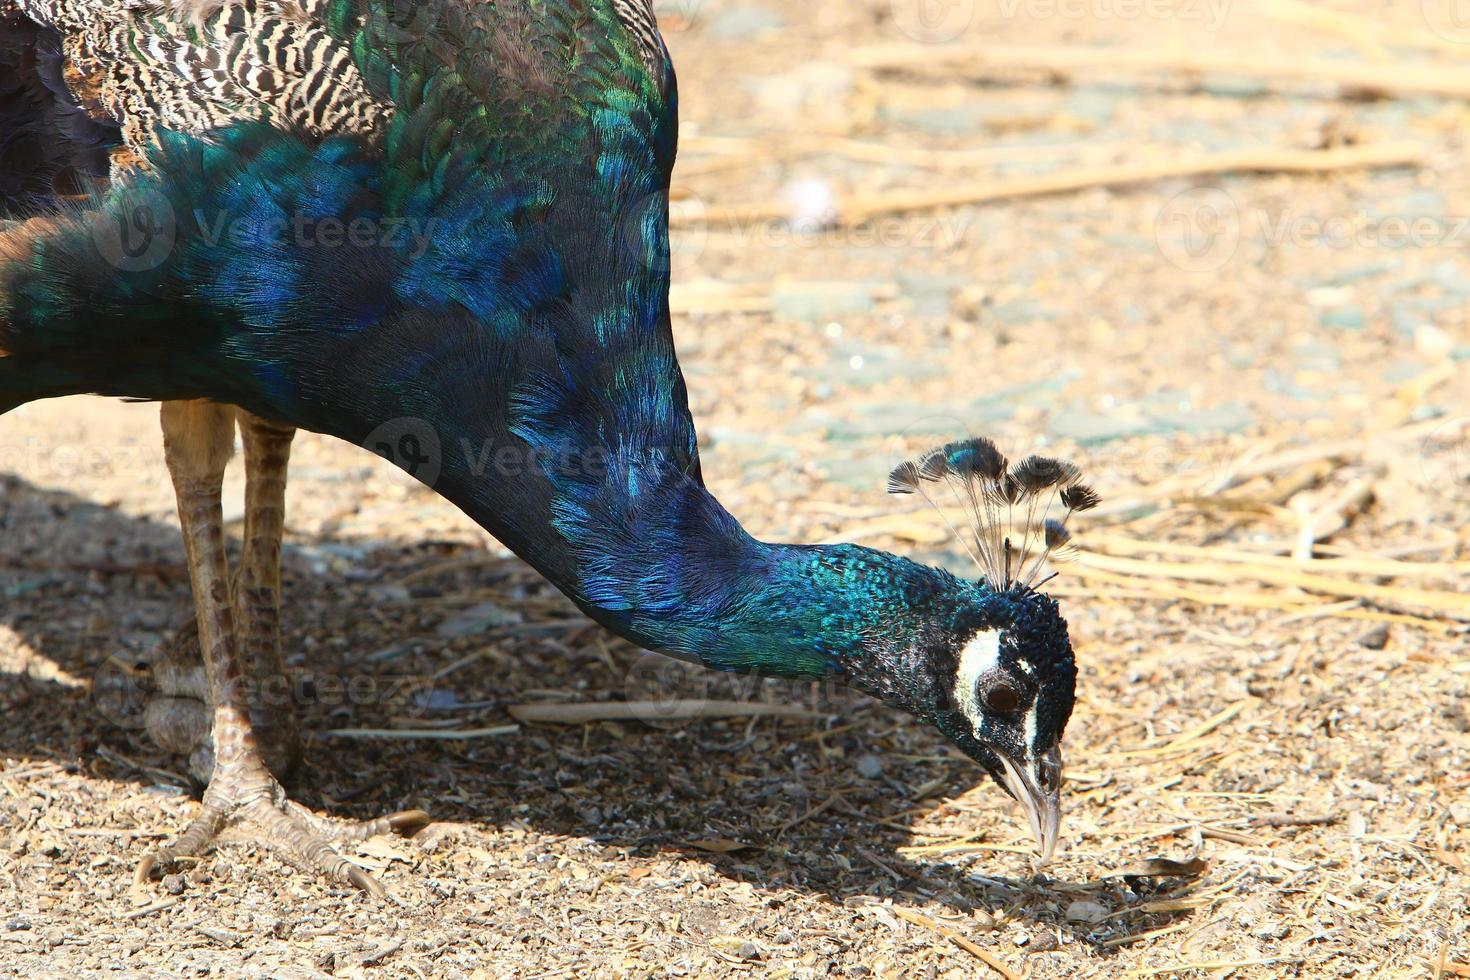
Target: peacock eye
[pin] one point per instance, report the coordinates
(1002, 698)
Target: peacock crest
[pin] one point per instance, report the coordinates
(1016, 513)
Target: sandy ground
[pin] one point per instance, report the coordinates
(1231, 358)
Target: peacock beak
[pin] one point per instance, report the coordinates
(1036, 784)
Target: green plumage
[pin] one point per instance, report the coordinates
(513, 348)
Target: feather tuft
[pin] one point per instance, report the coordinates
(976, 458)
(1080, 497)
(904, 478)
(1037, 474)
(1004, 509)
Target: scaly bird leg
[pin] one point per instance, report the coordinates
(198, 440)
(177, 717)
(258, 589)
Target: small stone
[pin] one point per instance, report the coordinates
(1376, 638)
(869, 766)
(17, 925)
(1346, 318)
(477, 619)
(1088, 912)
(174, 884)
(1460, 814)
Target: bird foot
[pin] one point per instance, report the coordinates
(249, 802)
(178, 718)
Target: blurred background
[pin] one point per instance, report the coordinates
(1216, 251)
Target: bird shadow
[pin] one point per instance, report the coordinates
(443, 636)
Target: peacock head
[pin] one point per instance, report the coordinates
(1001, 677)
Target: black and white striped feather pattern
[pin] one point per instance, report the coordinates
(197, 65)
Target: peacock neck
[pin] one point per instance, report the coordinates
(657, 559)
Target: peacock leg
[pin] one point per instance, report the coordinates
(177, 716)
(242, 793)
(258, 590)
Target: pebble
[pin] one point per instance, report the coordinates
(1084, 911)
(477, 619)
(1346, 318)
(1376, 638)
(869, 766)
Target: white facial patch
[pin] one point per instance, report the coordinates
(979, 657)
(1031, 719)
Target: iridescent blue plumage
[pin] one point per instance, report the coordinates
(510, 298)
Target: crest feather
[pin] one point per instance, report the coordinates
(1006, 509)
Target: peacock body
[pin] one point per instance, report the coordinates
(498, 324)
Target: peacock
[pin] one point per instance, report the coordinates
(439, 229)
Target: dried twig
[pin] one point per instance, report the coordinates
(1118, 544)
(1395, 79)
(1294, 820)
(443, 735)
(969, 946)
(1449, 603)
(863, 208)
(671, 710)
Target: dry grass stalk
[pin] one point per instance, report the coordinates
(1449, 603)
(866, 207)
(1397, 79)
(671, 710)
(437, 734)
(1330, 518)
(969, 946)
(1122, 545)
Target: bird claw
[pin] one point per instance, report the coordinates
(255, 804)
